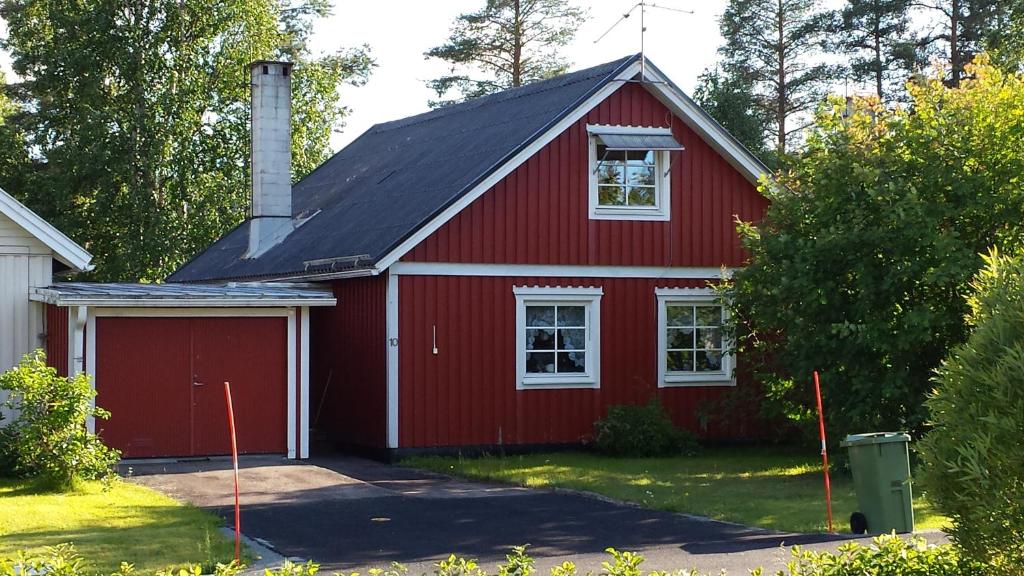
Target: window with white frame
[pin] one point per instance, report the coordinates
(629, 172)
(557, 337)
(692, 349)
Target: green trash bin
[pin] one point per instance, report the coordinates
(881, 475)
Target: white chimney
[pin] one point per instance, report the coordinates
(271, 155)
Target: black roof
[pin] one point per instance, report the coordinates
(377, 191)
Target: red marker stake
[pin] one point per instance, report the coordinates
(234, 461)
(824, 452)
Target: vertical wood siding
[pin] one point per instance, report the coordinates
(538, 214)
(347, 347)
(466, 394)
(57, 338)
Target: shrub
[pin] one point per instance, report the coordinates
(63, 560)
(973, 462)
(642, 430)
(50, 439)
(887, 555)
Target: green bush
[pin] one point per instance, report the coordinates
(49, 436)
(642, 430)
(887, 555)
(974, 465)
(63, 560)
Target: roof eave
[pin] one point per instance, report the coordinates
(64, 249)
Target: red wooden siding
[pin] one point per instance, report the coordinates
(538, 214)
(145, 374)
(466, 394)
(57, 338)
(348, 347)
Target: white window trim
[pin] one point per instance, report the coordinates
(588, 297)
(667, 379)
(662, 209)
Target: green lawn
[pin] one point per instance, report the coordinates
(768, 487)
(126, 522)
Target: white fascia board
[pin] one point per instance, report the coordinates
(558, 270)
(64, 249)
(51, 297)
(505, 169)
(712, 132)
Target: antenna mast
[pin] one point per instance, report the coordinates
(643, 5)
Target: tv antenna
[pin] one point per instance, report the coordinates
(643, 5)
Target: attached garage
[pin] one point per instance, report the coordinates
(159, 355)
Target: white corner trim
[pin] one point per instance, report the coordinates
(291, 384)
(560, 270)
(90, 363)
(589, 297)
(598, 129)
(65, 249)
(505, 169)
(669, 380)
(304, 385)
(392, 342)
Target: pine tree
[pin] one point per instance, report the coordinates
(773, 45)
(876, 35)
(505, 44)
(968, 27)
(730, 101)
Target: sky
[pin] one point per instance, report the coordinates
(400, 31)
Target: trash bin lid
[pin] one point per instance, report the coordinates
(875, 438)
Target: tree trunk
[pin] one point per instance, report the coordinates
(517, 46)
(955, 60)
(780, 102)
(878, 53)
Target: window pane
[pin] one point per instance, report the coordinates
(640, 175)
(641, 157)
(709, 315)
(709, 338)
(572, 316)
(540, 316)
(679, 338)
(572, 362)
(677, 315)
(610, 174)
(574, 339)
(679, 361)
(611, 196)
(540, 339)
(540, 362)
(709, 360)
(641, 196)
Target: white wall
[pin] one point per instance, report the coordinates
(25, 263)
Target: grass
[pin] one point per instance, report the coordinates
(123, 523)
(768, 487)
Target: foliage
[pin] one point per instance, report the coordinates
(517, 563)
(967, 28)
(137, 117)
(872, 235)
(289, 568)
(637, 431)
(51, 440)
(729, 98)
(775, 46)
(974, 465)
(505, 44)
(877, 37)
(887, 555)
(64, 560)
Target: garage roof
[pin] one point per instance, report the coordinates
(232, 294)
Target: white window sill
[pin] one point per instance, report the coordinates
(555, 382)
(690, 380)
(647, 214)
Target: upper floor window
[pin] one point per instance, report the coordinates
(629, 172)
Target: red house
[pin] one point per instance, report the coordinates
(507, 268)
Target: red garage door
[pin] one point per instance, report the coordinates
(161, 378)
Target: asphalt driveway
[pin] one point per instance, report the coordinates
(352, 514)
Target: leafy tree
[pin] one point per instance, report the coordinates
(876, 35)
(505, 44)
(730, 100)
(774, 46)
(968, 27)
(859, 267)
(139, 115)
(974, 467)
